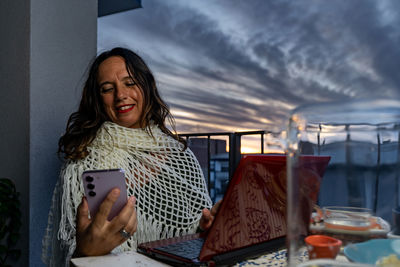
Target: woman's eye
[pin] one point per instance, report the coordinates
(130, 84)
(106, 90)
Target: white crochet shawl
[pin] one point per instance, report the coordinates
(166, 180)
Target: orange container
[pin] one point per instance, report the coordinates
(322, 246)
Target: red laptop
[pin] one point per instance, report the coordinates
(251, 220)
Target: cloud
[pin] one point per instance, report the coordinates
(245, 64)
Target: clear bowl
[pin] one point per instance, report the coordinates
(347, 218)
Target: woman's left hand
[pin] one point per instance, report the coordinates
(207, 217)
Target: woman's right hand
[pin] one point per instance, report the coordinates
(98, 236)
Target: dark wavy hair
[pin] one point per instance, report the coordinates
(83, 124)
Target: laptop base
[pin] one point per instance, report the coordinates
(224, 259)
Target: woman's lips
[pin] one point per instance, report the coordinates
(125, 108)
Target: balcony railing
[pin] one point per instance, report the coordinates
(234, 153)
(375, 183)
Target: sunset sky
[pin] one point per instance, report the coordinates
(231, 65)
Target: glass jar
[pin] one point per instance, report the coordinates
(362, 141)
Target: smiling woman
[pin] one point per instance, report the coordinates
(122, 98)
(120, 88)
(121, 123)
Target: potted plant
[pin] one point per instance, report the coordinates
(10, 221)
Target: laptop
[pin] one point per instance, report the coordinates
(251, 220)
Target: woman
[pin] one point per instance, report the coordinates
(120, 123)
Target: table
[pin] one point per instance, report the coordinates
(129, 258)
(133, 258)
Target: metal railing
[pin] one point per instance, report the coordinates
(234, 140)
(379, 168)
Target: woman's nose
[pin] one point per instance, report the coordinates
(121, 93)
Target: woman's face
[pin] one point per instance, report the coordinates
(122, 97)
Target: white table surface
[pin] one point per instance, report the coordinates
(133, 258)
(129, 258)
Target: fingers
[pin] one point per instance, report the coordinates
(206, 214)
(215, 208)
(100, 236)
(105, 207)
(122, 220)
(131, 227)
(82, 217)
(206, 219)
(209, 215)
(132, 224)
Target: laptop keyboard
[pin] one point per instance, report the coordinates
(189, 249)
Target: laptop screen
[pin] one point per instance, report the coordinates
(254, 207)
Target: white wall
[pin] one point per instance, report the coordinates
(45, 49)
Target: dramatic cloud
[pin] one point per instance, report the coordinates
(231, 65)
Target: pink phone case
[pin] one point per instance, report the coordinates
(97, 185)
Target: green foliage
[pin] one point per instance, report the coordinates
(10, 221)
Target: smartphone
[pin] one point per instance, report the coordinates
(98, 183)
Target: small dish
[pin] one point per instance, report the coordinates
(347, 218)
(379, 227)
(371, 251)
(322, 246)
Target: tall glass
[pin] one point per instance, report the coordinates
(361, 181)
